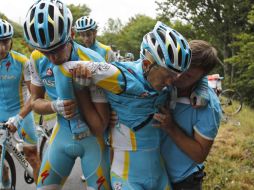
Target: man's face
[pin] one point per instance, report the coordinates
(160, 77)
(88, 37)
(59, 55)
(189, 77)
(5, 46)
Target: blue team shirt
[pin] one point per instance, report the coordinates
(205, 121)
(13, 89)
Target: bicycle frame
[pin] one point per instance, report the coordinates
(8, 145)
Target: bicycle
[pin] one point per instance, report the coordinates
(12, 146)
(230, 99)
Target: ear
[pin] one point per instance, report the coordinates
(146, 64)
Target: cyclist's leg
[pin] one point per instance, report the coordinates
(139, 170)
(27, 132)
(94, 165)
(57, 164)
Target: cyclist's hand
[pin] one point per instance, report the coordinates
(14, 123)
(164, 119)
(81, 76)
(198, 100)
(66, 108)
(113, 119)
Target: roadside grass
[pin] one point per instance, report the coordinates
(230, 164)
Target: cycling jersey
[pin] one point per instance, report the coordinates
(134, 101)
(134, 137)
(204, 121)
(104, 51)
(14, 72)
(64, 148)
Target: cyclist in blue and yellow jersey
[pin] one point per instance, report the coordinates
(190, 132)
(15, 107)
(86, 27)
(47, 28)
(136, 91)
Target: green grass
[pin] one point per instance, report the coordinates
(230, 164)
(45, 117)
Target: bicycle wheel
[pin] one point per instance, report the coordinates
(11, 172)
(231, 102)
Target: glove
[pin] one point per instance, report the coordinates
(197, 100)
(15, 121)
(81, 83)
(58, 107)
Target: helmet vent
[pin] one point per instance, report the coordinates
(51, 32)
(184, 45)
(153, 40)
(186, 60)
(0, 31)
(5, 28)
(51, 11)
(179, 58)
(68, 25)
(25, 29)
(32, 14)
(162, 35)
(176, 33)
(9, 27)
(42, 36)
(42, 5)
(170, 54)
(33, 33)
(159, 51)
(173, 38)
(60, 26)
(40, 18)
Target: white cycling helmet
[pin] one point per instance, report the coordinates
(6, 29)
(168, 47)
(47, 24)
(85, 23)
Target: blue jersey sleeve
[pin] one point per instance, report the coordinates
(208, 118)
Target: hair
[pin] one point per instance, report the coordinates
(204, 55)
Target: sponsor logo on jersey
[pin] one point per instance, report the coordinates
(44, 175)
(48, 82)
(8, 64)
(100, 182)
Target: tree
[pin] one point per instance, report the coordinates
(243, 62)
(113, 26)
(79, 11)
(132, 33)
(214, 20)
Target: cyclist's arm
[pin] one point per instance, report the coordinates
(27, 79)
(105, 75)
(196, 147)
(95, 111)
(38, 102)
